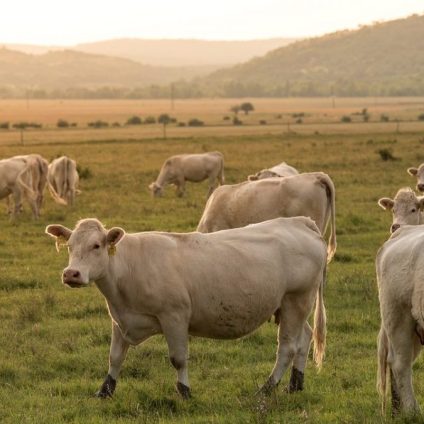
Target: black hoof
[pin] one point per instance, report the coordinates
(183, 390)
(296, 381)
(267, 388)
(107, 389)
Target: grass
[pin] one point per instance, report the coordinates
(54, 341)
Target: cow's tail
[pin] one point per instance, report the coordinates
(320, 323)
(55, 194)
(331, 197)
(382, 354)
(26, 188)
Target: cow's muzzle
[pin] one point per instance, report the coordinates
(72, 278)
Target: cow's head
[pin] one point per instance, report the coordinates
(265, 173)
(419, 173)
(90, 246)
(156, 189)
(406, 208)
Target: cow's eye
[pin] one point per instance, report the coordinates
(413, 210)
(96, 246)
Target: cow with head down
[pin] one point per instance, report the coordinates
(419, 174)
(222, 285)
(407, 208)
(280, 170)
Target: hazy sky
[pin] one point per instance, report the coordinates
(59, 22)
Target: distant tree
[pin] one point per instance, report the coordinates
(134, 120)
(346, 119)
(62, 123)
(235, 109)
(247, 107)
(164, 119)
(195, 123)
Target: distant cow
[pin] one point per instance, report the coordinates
(16, 180)
(190, 167)
(222, 286)
(400, 275)
(39, 170)
(407, 208)
(63, 180)
(419, 173)
(281, 170)
(309, 194)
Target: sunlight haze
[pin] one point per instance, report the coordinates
(65, 23)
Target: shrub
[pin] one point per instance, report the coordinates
(23, 125)
(298, 115)
(421, 117)
(150, 120)
(386, 154)
(116, 124)
(226, 118)
(262, 122)
(195, 123)
(74, 124)
(181, 124)
(237, 121)
(384, 118)
(84, 173)
(299, 121)
(346, 118)
(98, 124)
(61, 123)
(4, 125)
(134, 120)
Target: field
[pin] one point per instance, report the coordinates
(54, 341)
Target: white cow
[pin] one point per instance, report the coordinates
(222, 285)
(16, 180)
(39, 170)
(190, 167)
(400, 274)
(309, 194)
(406, 207)
(419, 173)
(63, 180)
(280, 170)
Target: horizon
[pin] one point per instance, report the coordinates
(262, 20)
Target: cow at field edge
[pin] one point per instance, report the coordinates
(222, 285)
(280, 170)
(400, 276)
(16, 180)
(406, 207)
(190, 167)
(63, 180)
(419, 173)
(309, 194)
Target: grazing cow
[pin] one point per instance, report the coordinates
(400, 275)
(16, 180)
(39, 169)
(419, 173)
(309, 194)
(406, 208)
(222, 285)
(281, 170)
(63, 180)
(191, 167)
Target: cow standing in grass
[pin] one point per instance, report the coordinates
(407, 208)
(190, 167)
(309, 194)
(63, 180)
(400, 275)
(222, 285)
(280, 170)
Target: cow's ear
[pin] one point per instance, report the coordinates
(60, 233)
(412, 171)
(386, 203)
(252, 177)
(114, 236)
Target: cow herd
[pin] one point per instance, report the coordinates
(26, 176)
(258, 251)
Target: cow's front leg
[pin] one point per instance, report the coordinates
(118, 352)
(180, 187)
(299, 361)
(175, 330)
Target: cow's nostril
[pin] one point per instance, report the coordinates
(76, 274)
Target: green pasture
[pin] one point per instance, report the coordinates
(54, 341)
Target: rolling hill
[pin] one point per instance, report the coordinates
(382, 59)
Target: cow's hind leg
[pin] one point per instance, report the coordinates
(293, 314)
(118, 352)
(175, 331)
(299, 361)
